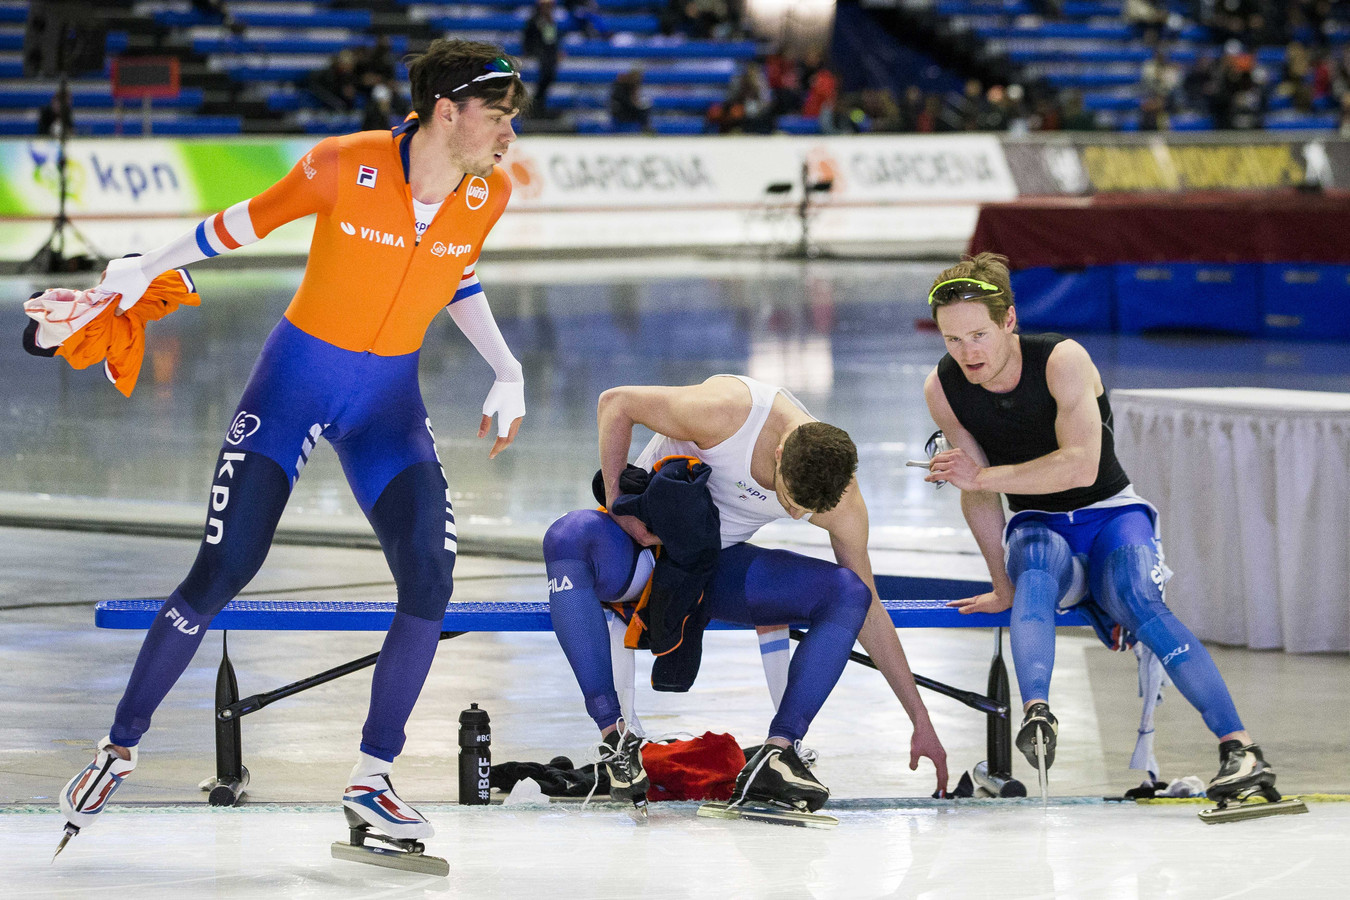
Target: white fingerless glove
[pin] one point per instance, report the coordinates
(506, 401)
(124, 276)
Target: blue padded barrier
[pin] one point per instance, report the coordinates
(912, 602)
(1050, 299)
(1188, 297)
(1306, 301)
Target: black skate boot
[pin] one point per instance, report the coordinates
(1038, 718)
(1245, 786)
(775, 786)
(777, 776)
(620, 752)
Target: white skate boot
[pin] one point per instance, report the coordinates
(375, 812)
(85, 795)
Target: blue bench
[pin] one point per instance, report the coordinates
(911, 602)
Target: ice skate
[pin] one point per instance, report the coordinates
(621, 754)
(85, 795)
(1245, 787)
(775, 786)
(376, 813)
(1038, 720)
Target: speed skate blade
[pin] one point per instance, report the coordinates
(391, 859)
(775, 815)
(69, 833)
(1041, 775)
(1236, 812)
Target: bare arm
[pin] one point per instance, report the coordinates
(1075, 384)
(848, 529)
(705, 414)
(983, 510)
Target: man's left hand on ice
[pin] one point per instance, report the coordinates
(924, 742)
(506, 401)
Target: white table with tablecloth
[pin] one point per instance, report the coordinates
(1253, 485)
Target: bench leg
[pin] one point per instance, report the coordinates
(227, 788)
(994, 773)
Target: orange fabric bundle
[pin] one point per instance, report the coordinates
(119, 341)
(704, 768)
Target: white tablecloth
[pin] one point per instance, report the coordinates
(1254, 489)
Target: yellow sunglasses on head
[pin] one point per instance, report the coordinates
(959, 289)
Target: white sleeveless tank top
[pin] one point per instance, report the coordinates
(744, 504)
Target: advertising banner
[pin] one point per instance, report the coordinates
(1084, 164)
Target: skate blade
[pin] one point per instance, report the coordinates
(775, 815)
(70, 832)
(1236, 812)
(391, 859)
(639, 812)
(1042, 776)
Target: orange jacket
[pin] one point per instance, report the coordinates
(119, 341)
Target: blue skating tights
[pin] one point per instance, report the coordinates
(1122, 556)
(591, 561)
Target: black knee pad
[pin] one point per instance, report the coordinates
(416, 526)
(248, 493)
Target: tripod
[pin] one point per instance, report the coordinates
(51, 257)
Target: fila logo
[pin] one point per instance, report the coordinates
(243, 425)
(476, 194)
(440, 249)
(307, 164)
(374, 235)
(180, 622)
(365, 176)
(554, 587)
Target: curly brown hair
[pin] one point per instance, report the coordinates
(817, 465)
(990, 267)
(450, 64)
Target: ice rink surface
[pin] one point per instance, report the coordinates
(843, 336)
(995, 849)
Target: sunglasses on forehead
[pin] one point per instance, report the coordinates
(959, 289)
(498, 68)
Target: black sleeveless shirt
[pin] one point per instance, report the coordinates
(1019, 426)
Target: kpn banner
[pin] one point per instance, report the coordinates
(140, 177)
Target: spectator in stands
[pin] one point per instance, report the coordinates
(379, 111)
(1149, 17)
(822, 92)
(748, 106)
(1161, 78)
(784, 74)
(1238, 101)
(55, 119)
(540, 42)
(698, 19)
(375, 65)
(970, 107)
(213, 10)
(1344, 128)
(1153, 114)
(1296, 77)
(336, 85)
(627, 105)
(1073, 115)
